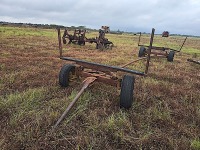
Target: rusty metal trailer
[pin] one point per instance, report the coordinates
(159, 51)
(101, 73)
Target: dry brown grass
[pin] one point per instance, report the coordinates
(165, 114)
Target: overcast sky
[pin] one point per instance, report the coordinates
(175, 16)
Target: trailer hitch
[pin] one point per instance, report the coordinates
(86, 83)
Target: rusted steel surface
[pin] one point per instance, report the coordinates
(183, 43)
(86, 83)
(194, 61)
(101, 78)
(158, 56)
(139, 39)
(133, 62)
(106, 28)
(59, 42)
(156, 50)
(77, 38)
(102, 67)
(159, 53)
(162, 48)
(149, 51)
(102, 42)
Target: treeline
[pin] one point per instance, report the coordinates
(52, 26)
(44, 26)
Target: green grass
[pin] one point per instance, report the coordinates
(195, 145)
(24, 32)
(191, 51)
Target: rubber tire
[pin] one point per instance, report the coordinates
(64, 41)
(111, 45)
(170, 56)
(81, 42)
(142, 51)
(100, 46)
(64, 74)
(126, 94)
(97, 46)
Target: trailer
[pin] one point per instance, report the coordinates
(96, 72)
(159, 51)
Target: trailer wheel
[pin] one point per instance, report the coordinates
(64, 41)
(170, 56)
(96, 46)
(81, 42)
(142, 51)
(65, 73)
(99, 46)
(111, 46)
(126, 94)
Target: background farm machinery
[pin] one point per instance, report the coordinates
(160, 51)
(165, 34)
(79, 38)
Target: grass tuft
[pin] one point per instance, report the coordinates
(195, 144)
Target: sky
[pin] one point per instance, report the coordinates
(175, 16)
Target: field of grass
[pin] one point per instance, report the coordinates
(165, 113)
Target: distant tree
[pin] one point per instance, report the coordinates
(81, 27)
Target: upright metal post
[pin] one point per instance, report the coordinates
(139, 39)
(60, 42)
(183, 43)
(149, 50)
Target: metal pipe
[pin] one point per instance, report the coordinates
(149, 50)
(139, 39)
(59, 42)
(102, 67)
(183, 43)
(133, 62)
(86, 83)
(159, 53)
(68, 108)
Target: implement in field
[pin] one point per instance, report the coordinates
(95, 72)
(165, 34)
(102, 42)
(79, 38)
(159, 51)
